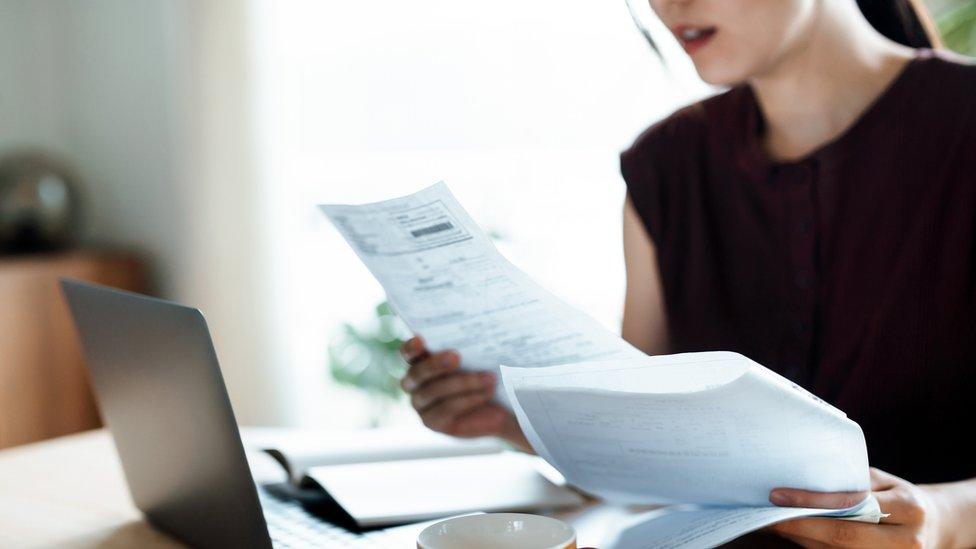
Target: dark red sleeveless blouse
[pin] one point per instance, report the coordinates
(852, 271)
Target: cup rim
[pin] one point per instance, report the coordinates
(479, 517)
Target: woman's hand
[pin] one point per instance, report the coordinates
(914, 516)
(454, 402)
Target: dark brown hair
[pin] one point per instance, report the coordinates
(905, 21)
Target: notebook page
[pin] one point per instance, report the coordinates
(419, 489)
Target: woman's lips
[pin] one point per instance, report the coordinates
(693, 38)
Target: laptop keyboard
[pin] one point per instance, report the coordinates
(290, 525)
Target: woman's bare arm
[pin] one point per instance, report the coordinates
(645, 324)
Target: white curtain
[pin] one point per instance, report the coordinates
(227, 267)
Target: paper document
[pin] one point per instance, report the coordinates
(713, 429)
(448, 282)
(709, 433)
(702, 527)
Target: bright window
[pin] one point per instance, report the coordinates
(521, 107)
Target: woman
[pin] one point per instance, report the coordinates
(820, 218)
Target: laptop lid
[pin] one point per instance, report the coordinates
(159, 387)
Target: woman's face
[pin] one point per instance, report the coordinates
(731, 41)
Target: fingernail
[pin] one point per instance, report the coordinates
(487, 380)
(450, 360)
(408, 349)
(779, 498)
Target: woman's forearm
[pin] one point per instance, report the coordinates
(956, 502)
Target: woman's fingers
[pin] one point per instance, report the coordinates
(413, 350)
(841, 533)
(901, 506)
(442, 416)
(792, 497)
(453, 402)
(484, 420)
(440, 393)
(904, 503)
(881, 480)
(430, 367)
(448, 386)
(804, 542)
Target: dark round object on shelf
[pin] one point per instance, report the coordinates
(38, 204)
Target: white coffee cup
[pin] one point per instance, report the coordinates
(498, 531)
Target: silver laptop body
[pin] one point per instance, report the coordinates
(159, 387)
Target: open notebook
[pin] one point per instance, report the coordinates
(393, 476)
(708, 433)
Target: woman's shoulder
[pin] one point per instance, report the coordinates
(686, 132)
(944, 86)
(664, 165)
(948, 75)
(948, 63)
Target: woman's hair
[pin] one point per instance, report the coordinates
(905, 21)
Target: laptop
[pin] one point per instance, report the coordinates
(159, 387)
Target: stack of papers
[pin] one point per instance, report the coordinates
(709, 434)
(712, 432)
(712, 428)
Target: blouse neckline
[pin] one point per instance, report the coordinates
(757, 162)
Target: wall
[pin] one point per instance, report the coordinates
(29, 112)
(147, 100)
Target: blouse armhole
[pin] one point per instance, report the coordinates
(655, 162)
(644, 188)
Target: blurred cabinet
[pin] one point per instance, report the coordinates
(44, 387)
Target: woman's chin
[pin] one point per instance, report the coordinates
(720, 72)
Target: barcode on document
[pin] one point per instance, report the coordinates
(432, 229)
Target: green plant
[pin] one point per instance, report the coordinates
(368, 358)
(957, 25)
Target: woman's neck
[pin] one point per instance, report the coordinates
(819, 90)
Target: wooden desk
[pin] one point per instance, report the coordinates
(70, 492)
